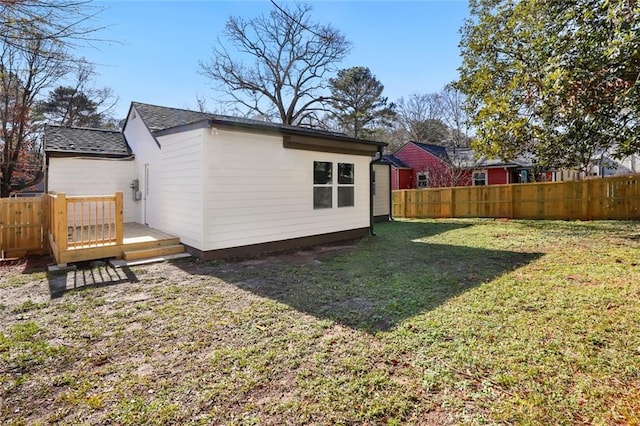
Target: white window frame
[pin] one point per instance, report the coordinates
(422, 183)
(329, 185)
(346, 185)
(334, 185)
(483, 172)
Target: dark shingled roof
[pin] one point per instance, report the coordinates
(76, 140)
(395, 161)
(467, 157)
(158, 118)
(438, 151)
(161, 118)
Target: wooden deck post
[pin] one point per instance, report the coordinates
(60, 225)
(119, 219)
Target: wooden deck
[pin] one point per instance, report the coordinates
(92, 227)
(139, 241)
(138, 233)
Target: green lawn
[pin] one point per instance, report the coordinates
(430, 322)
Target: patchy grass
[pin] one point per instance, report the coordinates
(430, 322)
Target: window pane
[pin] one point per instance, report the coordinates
(322, 197)
(479, 178)
(422, 180)
(322, 172)
(345, 173)
(345, 196)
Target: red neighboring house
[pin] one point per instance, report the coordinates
(401, 174)
(420, 165)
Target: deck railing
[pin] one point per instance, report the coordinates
(83, 222)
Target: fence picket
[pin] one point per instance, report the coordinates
(616, 197)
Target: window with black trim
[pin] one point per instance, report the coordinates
(322, 184)
(346, 189)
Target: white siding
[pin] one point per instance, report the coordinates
(383, 185)
(172, 199)
(180, 193)
(84, 176)
(257, 191)
(146, 151)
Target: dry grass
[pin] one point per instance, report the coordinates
(431, 322)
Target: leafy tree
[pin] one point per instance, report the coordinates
(79, 105)
(289, 56)
(556, 79)
(66, 106)
(357, 101)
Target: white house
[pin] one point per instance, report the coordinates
(226, 186)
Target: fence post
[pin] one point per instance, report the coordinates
(452, 202)
(512, 201)
(119, 219)
(404, 203)
(60, 222)
(586, 200)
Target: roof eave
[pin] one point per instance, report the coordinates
(64, 153)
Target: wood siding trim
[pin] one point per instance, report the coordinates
(254, 250)
(328, 145)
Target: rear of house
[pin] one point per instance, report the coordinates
(231, 187)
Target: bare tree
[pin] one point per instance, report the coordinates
(421, 115)
(23, 74)
(67, 22)
(290, 57)
(35, 37)
(452, 170)
(455, 116)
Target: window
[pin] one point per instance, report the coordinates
(324, 182)
(422, 180)
(322, 185)
(480, 178)
(346, 184)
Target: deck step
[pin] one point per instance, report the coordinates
(120, 263)
(153, 252)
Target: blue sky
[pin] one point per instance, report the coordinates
(410, 46)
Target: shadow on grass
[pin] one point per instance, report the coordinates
(88, 275)
(376, 283)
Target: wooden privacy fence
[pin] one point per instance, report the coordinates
(23, 227)
(615, 197)
(65, 224)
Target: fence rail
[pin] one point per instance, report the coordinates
(615, 197)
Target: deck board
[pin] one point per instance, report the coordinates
(138, 233)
